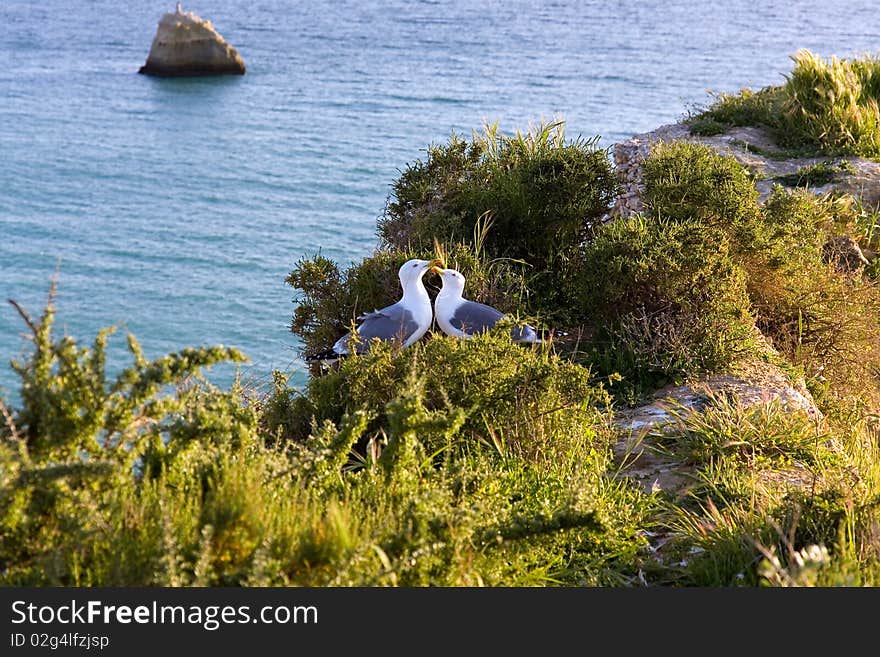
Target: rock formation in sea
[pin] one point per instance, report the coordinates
(186, 44)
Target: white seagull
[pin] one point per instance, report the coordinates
(462, 318)
(403, 322)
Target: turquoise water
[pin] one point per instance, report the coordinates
(175, 208)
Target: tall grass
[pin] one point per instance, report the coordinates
(827, 107)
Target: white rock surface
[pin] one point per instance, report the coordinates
(186, 44)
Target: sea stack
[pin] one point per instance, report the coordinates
(186, 44)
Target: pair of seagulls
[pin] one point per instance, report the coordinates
(406, 321)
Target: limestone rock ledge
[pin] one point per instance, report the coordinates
(750, 146)
(752, 383)
(186, 44)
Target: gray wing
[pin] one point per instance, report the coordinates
(391, 323)
(472, 317)
(524, 333)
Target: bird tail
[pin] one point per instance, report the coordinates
(328, 355)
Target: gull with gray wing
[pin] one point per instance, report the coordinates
(403, 322)
(462, 318)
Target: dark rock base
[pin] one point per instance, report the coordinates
(189, 70)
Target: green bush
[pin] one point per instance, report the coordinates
(668, 296)
(523, 400)
(180, 487)
(794, 225)
(537, 184)
(691, 182)
(825, 105)
(78, 437)
(821, 320)
(530, 197)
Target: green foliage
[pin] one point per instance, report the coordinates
(520, 400)
(774, 499)
(202, 497)
(794, 226)
(824, 107)
(747, 108)
(70, 411)
(672, 297)
(821, 320)
(750, 435)
(77, 437)
(541, 193)
(691, 182)
(537, 184)
(825, 104)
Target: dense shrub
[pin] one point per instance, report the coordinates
(537, 184)
(671, 297)
(528, 400)
(532, 197)
(822, 320)
(78, 438)
(151, 486)
(691, 182)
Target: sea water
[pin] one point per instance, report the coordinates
(175, 208)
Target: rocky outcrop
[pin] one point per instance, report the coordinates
(753, 148)
(186, 44)
(753, 383)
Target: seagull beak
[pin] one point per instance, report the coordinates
(436, 266)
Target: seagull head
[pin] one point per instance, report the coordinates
(412, 270)
(453, 281)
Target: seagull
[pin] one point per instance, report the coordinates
(403, 322)
(462, 318)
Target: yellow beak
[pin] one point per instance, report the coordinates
(436, 266)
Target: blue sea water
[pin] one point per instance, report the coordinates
(175, 208)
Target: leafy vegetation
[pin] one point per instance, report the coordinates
(673, 297)
(825, 107)
(482, 461)
(537, 184)
(186, 488)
